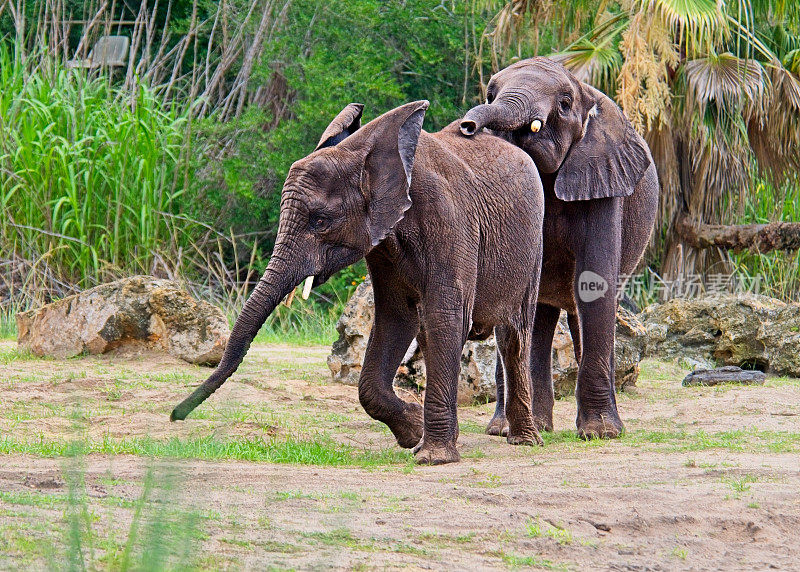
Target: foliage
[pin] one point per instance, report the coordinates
(713, 87)
(88, 180)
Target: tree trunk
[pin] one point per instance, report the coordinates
(756, 237)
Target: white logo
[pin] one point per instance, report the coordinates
(591, 286)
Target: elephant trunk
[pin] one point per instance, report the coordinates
(497, 116)
(278, 280)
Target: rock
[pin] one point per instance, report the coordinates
(727, 374)
(354, 325)
(746, 330)
(628, 346)
(476, 379)
(140, 308)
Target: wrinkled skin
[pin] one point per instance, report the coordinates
(451, 231)
(601, 195)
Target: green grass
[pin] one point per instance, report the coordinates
(8, 325)
(85, 174)
(317, 451)
(515, 561)
(15, 354)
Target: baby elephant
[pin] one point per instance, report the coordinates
(451, 228)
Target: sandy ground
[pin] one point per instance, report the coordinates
(704, 479)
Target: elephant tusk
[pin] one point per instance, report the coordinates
(307, 287)
(536, 125)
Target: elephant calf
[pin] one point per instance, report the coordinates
(451, 231)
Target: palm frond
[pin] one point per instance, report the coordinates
(698, 24)
(595, 58)
(776, 139)
(730, 83)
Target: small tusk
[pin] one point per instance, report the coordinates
(536, 125)
(307, 287)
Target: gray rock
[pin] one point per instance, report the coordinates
(727, 374)
(747, 330)
(141, 308)
(476, 379)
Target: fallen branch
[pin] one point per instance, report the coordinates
(755, 237)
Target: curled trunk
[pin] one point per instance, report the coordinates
(278, 280)
(497, 116)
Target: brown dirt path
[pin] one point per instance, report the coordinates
(705, 479)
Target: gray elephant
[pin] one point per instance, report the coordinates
(451, 231)
(601, 196)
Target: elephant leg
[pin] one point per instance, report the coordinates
(575, 333)
(395, 326)
(597, 404)
(445, 335)
(498, 425)
(544, 326)
(514, 345)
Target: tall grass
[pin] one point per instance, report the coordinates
(88, 174)
(777, 273)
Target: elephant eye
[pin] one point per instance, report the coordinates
(566, 103)
(317, 222)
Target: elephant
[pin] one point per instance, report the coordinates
(601, 196)
(451, 231)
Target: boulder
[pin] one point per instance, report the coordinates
(476, 379)
(745, 330)
(137, 309)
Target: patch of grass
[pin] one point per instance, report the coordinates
(30, 498)
(8, 325)
(751, 440)
(173, 376)
(16, 354)
(658, 370)
(321, 450)
(491, 481)
(471, 427)
(740, 485)
(535, 529)
(335, 537)
(441, 540)
(679, 553)
(515, 561)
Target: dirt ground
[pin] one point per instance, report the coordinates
(704, 479)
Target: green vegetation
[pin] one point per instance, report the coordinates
(714, 87)
(174, 166)
(321, 450)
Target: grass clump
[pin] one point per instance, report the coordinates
(89, 174)
(321, 450)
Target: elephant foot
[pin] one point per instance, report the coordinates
(498, 425)
(600, 426)
(530, 437)
(408, 428)
(436, 454)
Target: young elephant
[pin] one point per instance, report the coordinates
(451, 230)
(601, 197)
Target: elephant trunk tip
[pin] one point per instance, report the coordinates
(468, 127)
(185, 407)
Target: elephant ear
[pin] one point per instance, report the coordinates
(343, 125)
(608, 161)
(386, 177)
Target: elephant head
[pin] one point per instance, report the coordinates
(568, 127)
(336, 205)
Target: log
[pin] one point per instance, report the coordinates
(727, 374)
(755, 237)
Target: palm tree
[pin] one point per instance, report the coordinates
(713, 87)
